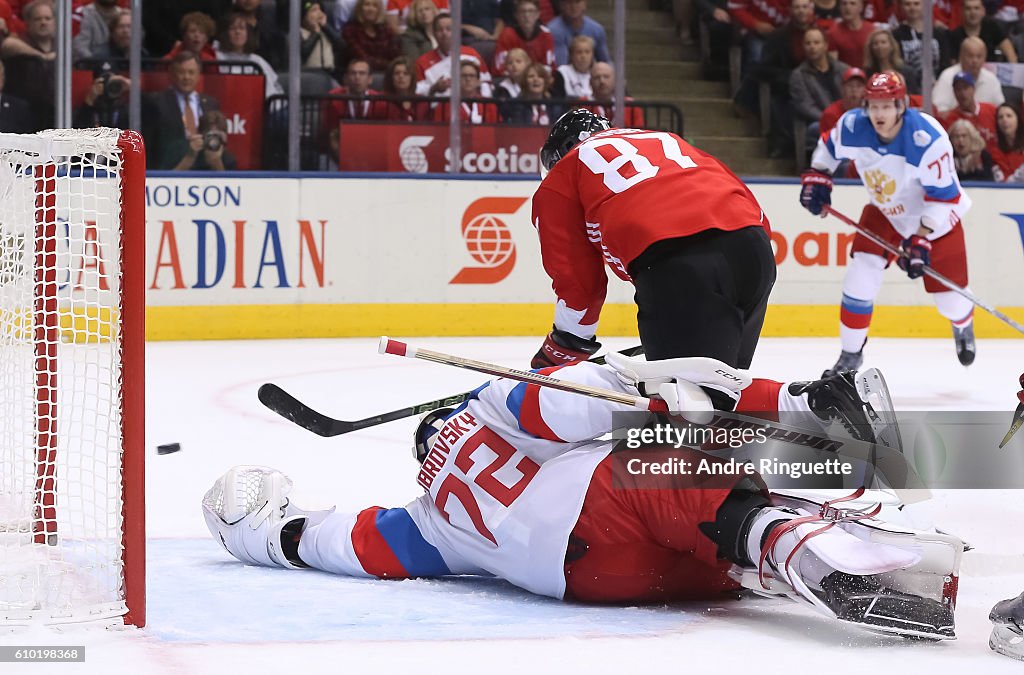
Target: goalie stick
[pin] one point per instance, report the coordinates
(287, 406)
(927, 270)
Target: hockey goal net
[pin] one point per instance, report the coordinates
(72, 232)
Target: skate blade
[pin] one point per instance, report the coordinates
(872, 390)
(1018, 421)
(902, 632)
(1007, 641)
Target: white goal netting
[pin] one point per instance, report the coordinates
(60, 377)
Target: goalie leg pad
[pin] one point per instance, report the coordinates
(849, 565)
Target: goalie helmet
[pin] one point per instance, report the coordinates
(430, 423)
(568, 131)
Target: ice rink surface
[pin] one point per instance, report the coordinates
(210, 614)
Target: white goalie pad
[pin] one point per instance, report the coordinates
(915, 598)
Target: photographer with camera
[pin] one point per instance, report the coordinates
(105, 103)
(212, 154)
(171, 119)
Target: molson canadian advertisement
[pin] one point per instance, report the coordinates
(281, 257)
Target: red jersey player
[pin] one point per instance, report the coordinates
(691, 238)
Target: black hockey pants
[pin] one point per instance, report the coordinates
(704, 295)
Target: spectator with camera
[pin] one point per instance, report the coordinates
(172, 133)
(213, 154)
(105, 103)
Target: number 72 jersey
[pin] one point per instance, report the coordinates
(614, 195)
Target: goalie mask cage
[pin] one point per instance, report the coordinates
(72, 320)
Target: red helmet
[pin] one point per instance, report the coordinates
(884, 86)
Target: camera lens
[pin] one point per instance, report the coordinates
(212, 141)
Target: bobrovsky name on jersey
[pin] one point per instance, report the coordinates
(499, 161)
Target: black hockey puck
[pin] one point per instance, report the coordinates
(168, 448)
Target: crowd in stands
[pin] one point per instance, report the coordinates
(811, 58)
(521, 62)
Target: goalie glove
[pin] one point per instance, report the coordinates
(248, 511)
(679, 382)
(561, 347)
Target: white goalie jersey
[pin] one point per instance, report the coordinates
(509, 440)
(911, 180)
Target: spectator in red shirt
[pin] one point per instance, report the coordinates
(472, 112)
(757, 19)
(528, 34)
(433, 68)
(400, 85)
(848, 36)
(357, 84)
(1009, 154)
(367, 36)
(197, 31)
(10, 24)
(602, 82)
(981, 115)
(854, 81)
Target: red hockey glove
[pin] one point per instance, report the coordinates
(919, 254)
(561, 347)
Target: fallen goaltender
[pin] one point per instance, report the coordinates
(522, 487)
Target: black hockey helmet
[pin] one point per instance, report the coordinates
(423, 438)
(567, 132)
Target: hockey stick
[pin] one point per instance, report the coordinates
(399, 348)
(927, 270)
(294, 410)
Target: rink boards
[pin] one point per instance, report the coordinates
(274, 256)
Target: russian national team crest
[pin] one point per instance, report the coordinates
(488, 240)
(880, 185)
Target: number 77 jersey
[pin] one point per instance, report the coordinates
(910, 179)
(620, 191)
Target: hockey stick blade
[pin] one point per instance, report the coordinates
(287, 406)
(292, 409)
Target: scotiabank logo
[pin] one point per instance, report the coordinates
(488, 240)
(410, 153)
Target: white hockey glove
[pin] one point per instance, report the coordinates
(678, 381)
(247, 510)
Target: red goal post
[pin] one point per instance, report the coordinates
(72, 363)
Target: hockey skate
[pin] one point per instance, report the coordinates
(1008, 633)
(248, 511)
(846, 361)
(860, 402)
(851, 566)
(965, 347)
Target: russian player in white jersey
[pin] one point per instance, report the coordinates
(519, 485)
(905, 159)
